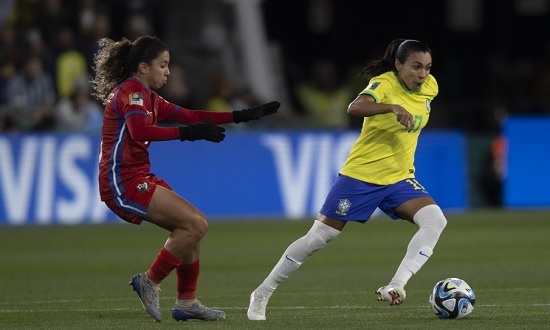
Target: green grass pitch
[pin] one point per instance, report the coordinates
(77, 276)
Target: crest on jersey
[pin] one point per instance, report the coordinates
(143, 187)
(343, 206)
(136, 99)
(428, 105)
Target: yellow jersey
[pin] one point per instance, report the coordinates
(384, 151)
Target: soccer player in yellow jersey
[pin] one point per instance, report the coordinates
(379, 171)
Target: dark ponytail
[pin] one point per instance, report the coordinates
(399, 49)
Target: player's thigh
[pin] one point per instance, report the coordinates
(408, 209)
(169, 210)
(336, 224)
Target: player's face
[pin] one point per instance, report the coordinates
(414, 71)
(157, 73)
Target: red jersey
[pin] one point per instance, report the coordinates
(129, 124)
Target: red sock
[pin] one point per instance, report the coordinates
(187, 280)
(162, 266)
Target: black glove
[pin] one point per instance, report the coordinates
(256, 112)
(204, 130)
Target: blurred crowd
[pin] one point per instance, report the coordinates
(46, 61)
(47, 49)
(46, 54)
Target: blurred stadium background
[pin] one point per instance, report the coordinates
(484, 156)
(486, 145)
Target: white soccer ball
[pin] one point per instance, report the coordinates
(452, 298)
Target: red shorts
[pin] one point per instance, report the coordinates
(132, 206)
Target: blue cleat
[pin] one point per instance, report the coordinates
(148, 293)
(196, 311)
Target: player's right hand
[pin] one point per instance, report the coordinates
(204, 130)
(403, 117)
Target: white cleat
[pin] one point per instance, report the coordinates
(256, 309)
(396, 296)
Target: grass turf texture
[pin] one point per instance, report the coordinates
(76, 276)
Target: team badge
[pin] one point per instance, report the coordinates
(143, 187)
(373, 85)
(428, 105)
(343, 206)
(136, 99)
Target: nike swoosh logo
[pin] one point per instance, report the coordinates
(287, 258)
(423, 254)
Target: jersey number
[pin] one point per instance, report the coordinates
(415, 184)
(417, 124)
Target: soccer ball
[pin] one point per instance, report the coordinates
(452, 298)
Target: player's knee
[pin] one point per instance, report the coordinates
(432, 217)
(202, 225)
(315, 242)
(319, 235)
(440, 223)
(196, 224)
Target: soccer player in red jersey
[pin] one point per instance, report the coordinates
(126, 75)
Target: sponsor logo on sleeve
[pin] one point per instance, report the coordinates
(373, 86)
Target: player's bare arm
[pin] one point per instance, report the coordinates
(365, 106)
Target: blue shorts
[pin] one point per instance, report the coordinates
(354, 200)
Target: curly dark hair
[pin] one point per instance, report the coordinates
(397, 49)
(118, 60)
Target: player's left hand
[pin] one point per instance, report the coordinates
(256, 112)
